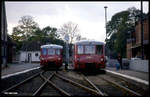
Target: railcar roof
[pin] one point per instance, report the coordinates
(89, 42)
(52, 46)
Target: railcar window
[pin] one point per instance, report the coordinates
(99, 49)
(57, 52)
(51, 51)
(89, 49)
(44, 51)
(80, 49)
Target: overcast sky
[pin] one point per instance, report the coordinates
(90, 16)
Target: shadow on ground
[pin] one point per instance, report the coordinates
(88, 72)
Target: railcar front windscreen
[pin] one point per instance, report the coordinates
(89, 49)
(80, 49)
(57, 51)
(51, 52)
(44, 51)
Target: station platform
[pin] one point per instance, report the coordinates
(137, 74)
(141, 77)
(18, 68)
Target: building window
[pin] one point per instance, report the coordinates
(36, 54)
(44, 51)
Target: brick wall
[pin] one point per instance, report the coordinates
(145, 31)
(129, 50)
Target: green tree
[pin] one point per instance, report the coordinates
(118, 27)
(28, 31)
(51, 32)
(46, 35)
(25, 29)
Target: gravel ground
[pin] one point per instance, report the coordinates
(10, 81)
(101, 84)
(141, 89)
(48, 90)
(71, 89)
(30, 87)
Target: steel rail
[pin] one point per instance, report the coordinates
(59, 89)
(103, 94)
(42, 86)
(79, 85)
(124, 80)
(22, 82)
(122, 87)
(87, 80)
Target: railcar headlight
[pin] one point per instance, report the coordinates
(78, 59)
(42, 58)
(102, 59)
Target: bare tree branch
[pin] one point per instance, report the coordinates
(71, 29)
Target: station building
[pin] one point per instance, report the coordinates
(30, 52)
(134, 42)
(7, 44)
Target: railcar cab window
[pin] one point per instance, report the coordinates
(51, 51)
(80, 49)
(99, 49)
(44, 51)
(89, 49)
(57, 51)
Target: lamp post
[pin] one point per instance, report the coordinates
(106, 18)
(106, 24)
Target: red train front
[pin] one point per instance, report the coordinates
(89, 54)
(51, 55)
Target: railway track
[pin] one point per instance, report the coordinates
(129, 87)
(50, 83)
(119, 84)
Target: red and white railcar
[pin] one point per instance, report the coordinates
(51, 55)
(89, 54)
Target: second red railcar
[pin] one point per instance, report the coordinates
(89, 54)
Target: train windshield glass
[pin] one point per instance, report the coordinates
(99, 49)
(57, 52)
(44, 51)
(51, 52)
(80, 49)
(89, 49)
